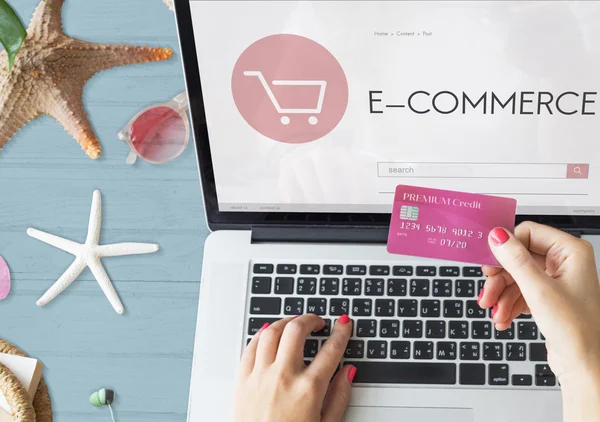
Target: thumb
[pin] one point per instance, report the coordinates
(518, 262)
(338, 396)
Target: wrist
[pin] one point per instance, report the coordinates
(581, 396)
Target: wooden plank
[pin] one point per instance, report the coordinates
(47, 182)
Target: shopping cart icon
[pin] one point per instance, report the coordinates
(313, 120)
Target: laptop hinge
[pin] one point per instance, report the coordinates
(320, 234)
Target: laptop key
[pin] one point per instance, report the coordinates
(527, 331)
(423, 350)
(374, 372)
(442, 288)
(449, 271)
(472, 272)
(458, 329)
(265, 305)
(293, 306)
(311, 348)
(384, 307)
(389, 328)
(255, 324)
(521, 380)
(465, 288)
(374, 287)
(524, 316)
(379, 270)
(262, 268)
(515, 351)
(356, 269)
(430, 308)
(402, 270)
(362, 307)
(492, 351)
(351, 286)
(412, 329)
(366, 328)
(473, 310)
(261, 285)
(508, 334)
(306, 286)
(333, 270)
(481, 330)
(355, 349)
(329, 286)
(338, 307)
(407, 307)
(325, 332)
(453, 308)
(544, 377)
(377, 349)
(284, 285)
(435, 329)
(469, 351)
(400, 349)
(419, 287)
(446, 350)
(498, 374)
(471, 374)
(287, 268)
(538, 352)
(396, 287)
(428, 271)
(310, 269)
(316, 306)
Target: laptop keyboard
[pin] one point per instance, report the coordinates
(412, 324)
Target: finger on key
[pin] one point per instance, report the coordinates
(249, 355)
(506, 302)
(269, 343)
(291, 346)
(520, 307)
(328, 359)
(493, 288)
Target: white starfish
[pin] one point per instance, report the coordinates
(89, 254)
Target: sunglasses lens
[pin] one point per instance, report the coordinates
(159, 134)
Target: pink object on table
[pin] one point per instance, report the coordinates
(4, 279)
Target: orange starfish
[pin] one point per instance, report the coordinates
(50, 71)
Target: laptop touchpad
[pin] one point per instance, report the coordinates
(398, 414)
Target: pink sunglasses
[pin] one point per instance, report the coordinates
(158, 133)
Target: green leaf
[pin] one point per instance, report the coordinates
(12, 32)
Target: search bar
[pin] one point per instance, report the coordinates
(422, 170)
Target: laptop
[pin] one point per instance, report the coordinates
(307, 114)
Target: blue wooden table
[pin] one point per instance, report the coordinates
(46, 182)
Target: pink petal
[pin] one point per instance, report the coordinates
(4, 279)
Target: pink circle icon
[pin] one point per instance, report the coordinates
(290, 88)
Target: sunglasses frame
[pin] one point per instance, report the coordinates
(180, 105)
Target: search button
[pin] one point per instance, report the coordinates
(578, 171)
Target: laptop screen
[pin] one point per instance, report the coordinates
(327, 106)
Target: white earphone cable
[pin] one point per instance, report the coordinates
(111, 412)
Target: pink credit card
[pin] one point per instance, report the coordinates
(445, 224)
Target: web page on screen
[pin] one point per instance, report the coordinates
(327, 106)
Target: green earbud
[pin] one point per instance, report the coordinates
(103, 397)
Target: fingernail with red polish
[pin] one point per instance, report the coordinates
(351, 373)
(344, 319)
(480, 296)
(264, 327)
(494, 310)
(499, 236)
